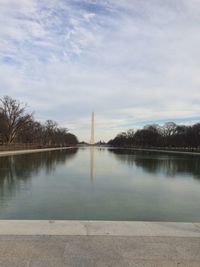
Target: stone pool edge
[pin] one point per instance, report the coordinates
(18, 152)
(98, 228)
(158, 150)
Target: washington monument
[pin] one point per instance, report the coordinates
(92, 130)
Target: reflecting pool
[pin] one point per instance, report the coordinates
(100, 184)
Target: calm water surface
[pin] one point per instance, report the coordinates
(100, 184)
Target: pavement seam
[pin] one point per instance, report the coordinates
(86, 226)
(197, 225)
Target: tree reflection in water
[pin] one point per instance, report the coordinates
(18, 169)
(155, 162)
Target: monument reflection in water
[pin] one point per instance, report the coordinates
(96, 183)
(91, 163)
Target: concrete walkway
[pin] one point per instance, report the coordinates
(98, 243)
(159, 150)
(18, 152)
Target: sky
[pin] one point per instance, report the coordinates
(132, 62)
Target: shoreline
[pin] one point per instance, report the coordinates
(157, 150)
(18, 152)
(26, 151)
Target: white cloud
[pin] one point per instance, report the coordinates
(129, 60)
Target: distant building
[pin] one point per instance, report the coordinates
(92, 130)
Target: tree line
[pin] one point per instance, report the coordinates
(168, 135)
(17, 125)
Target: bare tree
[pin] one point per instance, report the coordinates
(2, 128)
(15, 117)
(169, 129)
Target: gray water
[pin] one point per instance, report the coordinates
(100, 184)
